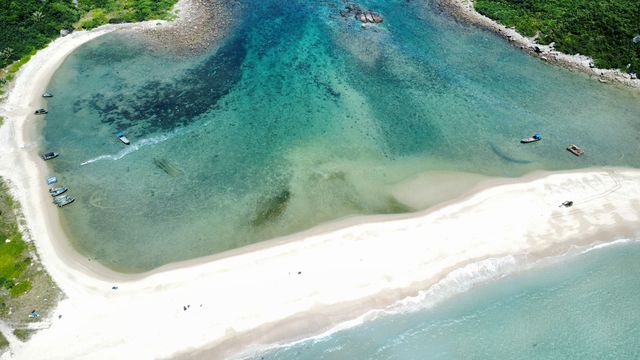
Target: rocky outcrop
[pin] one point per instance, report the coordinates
(200, 24)
(464, 10)
(364, 16)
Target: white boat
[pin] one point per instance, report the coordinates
(123, 138)
(534, 138)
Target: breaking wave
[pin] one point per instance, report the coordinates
(131, 148)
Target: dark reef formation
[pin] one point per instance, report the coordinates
(364, 16)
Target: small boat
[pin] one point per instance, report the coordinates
(47, 95)
(52, 180)
(123, 138)
(57, 191)
(40, 112)
(575, 150)
(63, 200)
(49, 155)
(567, 203)
(534, 138)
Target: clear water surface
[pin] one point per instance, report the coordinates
(582, 307)
(301, 117)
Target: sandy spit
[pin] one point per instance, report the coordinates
(218, 306)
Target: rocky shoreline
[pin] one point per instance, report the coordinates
(464, 10)
(199, 24)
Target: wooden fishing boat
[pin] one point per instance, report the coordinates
(40, 112)
(575, 150)
(58, 191)
(63, 200)
(49, 155)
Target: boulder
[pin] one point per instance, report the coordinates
(353, 8)
(369, 17)
(377, 18)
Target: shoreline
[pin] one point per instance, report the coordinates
(465, 11)
(323, 319)
(250, 296)
(450, 285)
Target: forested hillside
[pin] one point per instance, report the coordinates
(28, 25)
(603, 29)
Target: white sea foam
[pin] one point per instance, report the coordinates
(132, 148)
(456, 282)
(608, 244)
(462, 280)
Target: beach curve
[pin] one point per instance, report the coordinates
(226, 302)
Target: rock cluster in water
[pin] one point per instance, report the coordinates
(200, 24)
(364, 16)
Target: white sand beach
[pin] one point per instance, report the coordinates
(299, 285)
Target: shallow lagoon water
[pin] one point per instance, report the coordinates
(301, 117)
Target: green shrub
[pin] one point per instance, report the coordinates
(601, 29)
(23, 334)
(32, 24)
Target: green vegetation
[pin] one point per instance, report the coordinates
(99, 12)
(24, 285)
(4, 343)
(15, 256)
(603, 30)
(23, 334)
(29, 25)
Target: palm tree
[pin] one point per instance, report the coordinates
(37, 15)
(6, 53)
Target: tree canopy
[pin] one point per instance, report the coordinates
(29, 25)
(603, 30)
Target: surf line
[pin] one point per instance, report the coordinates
(131, 149)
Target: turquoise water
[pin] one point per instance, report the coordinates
(300, 117)
(580, 307)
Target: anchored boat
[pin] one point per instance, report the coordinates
(47, 95)
(575, 150)
(123, 138)
(534, 138)
(63, 200)
(58, 191)
(40, 112)
(49, 155)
